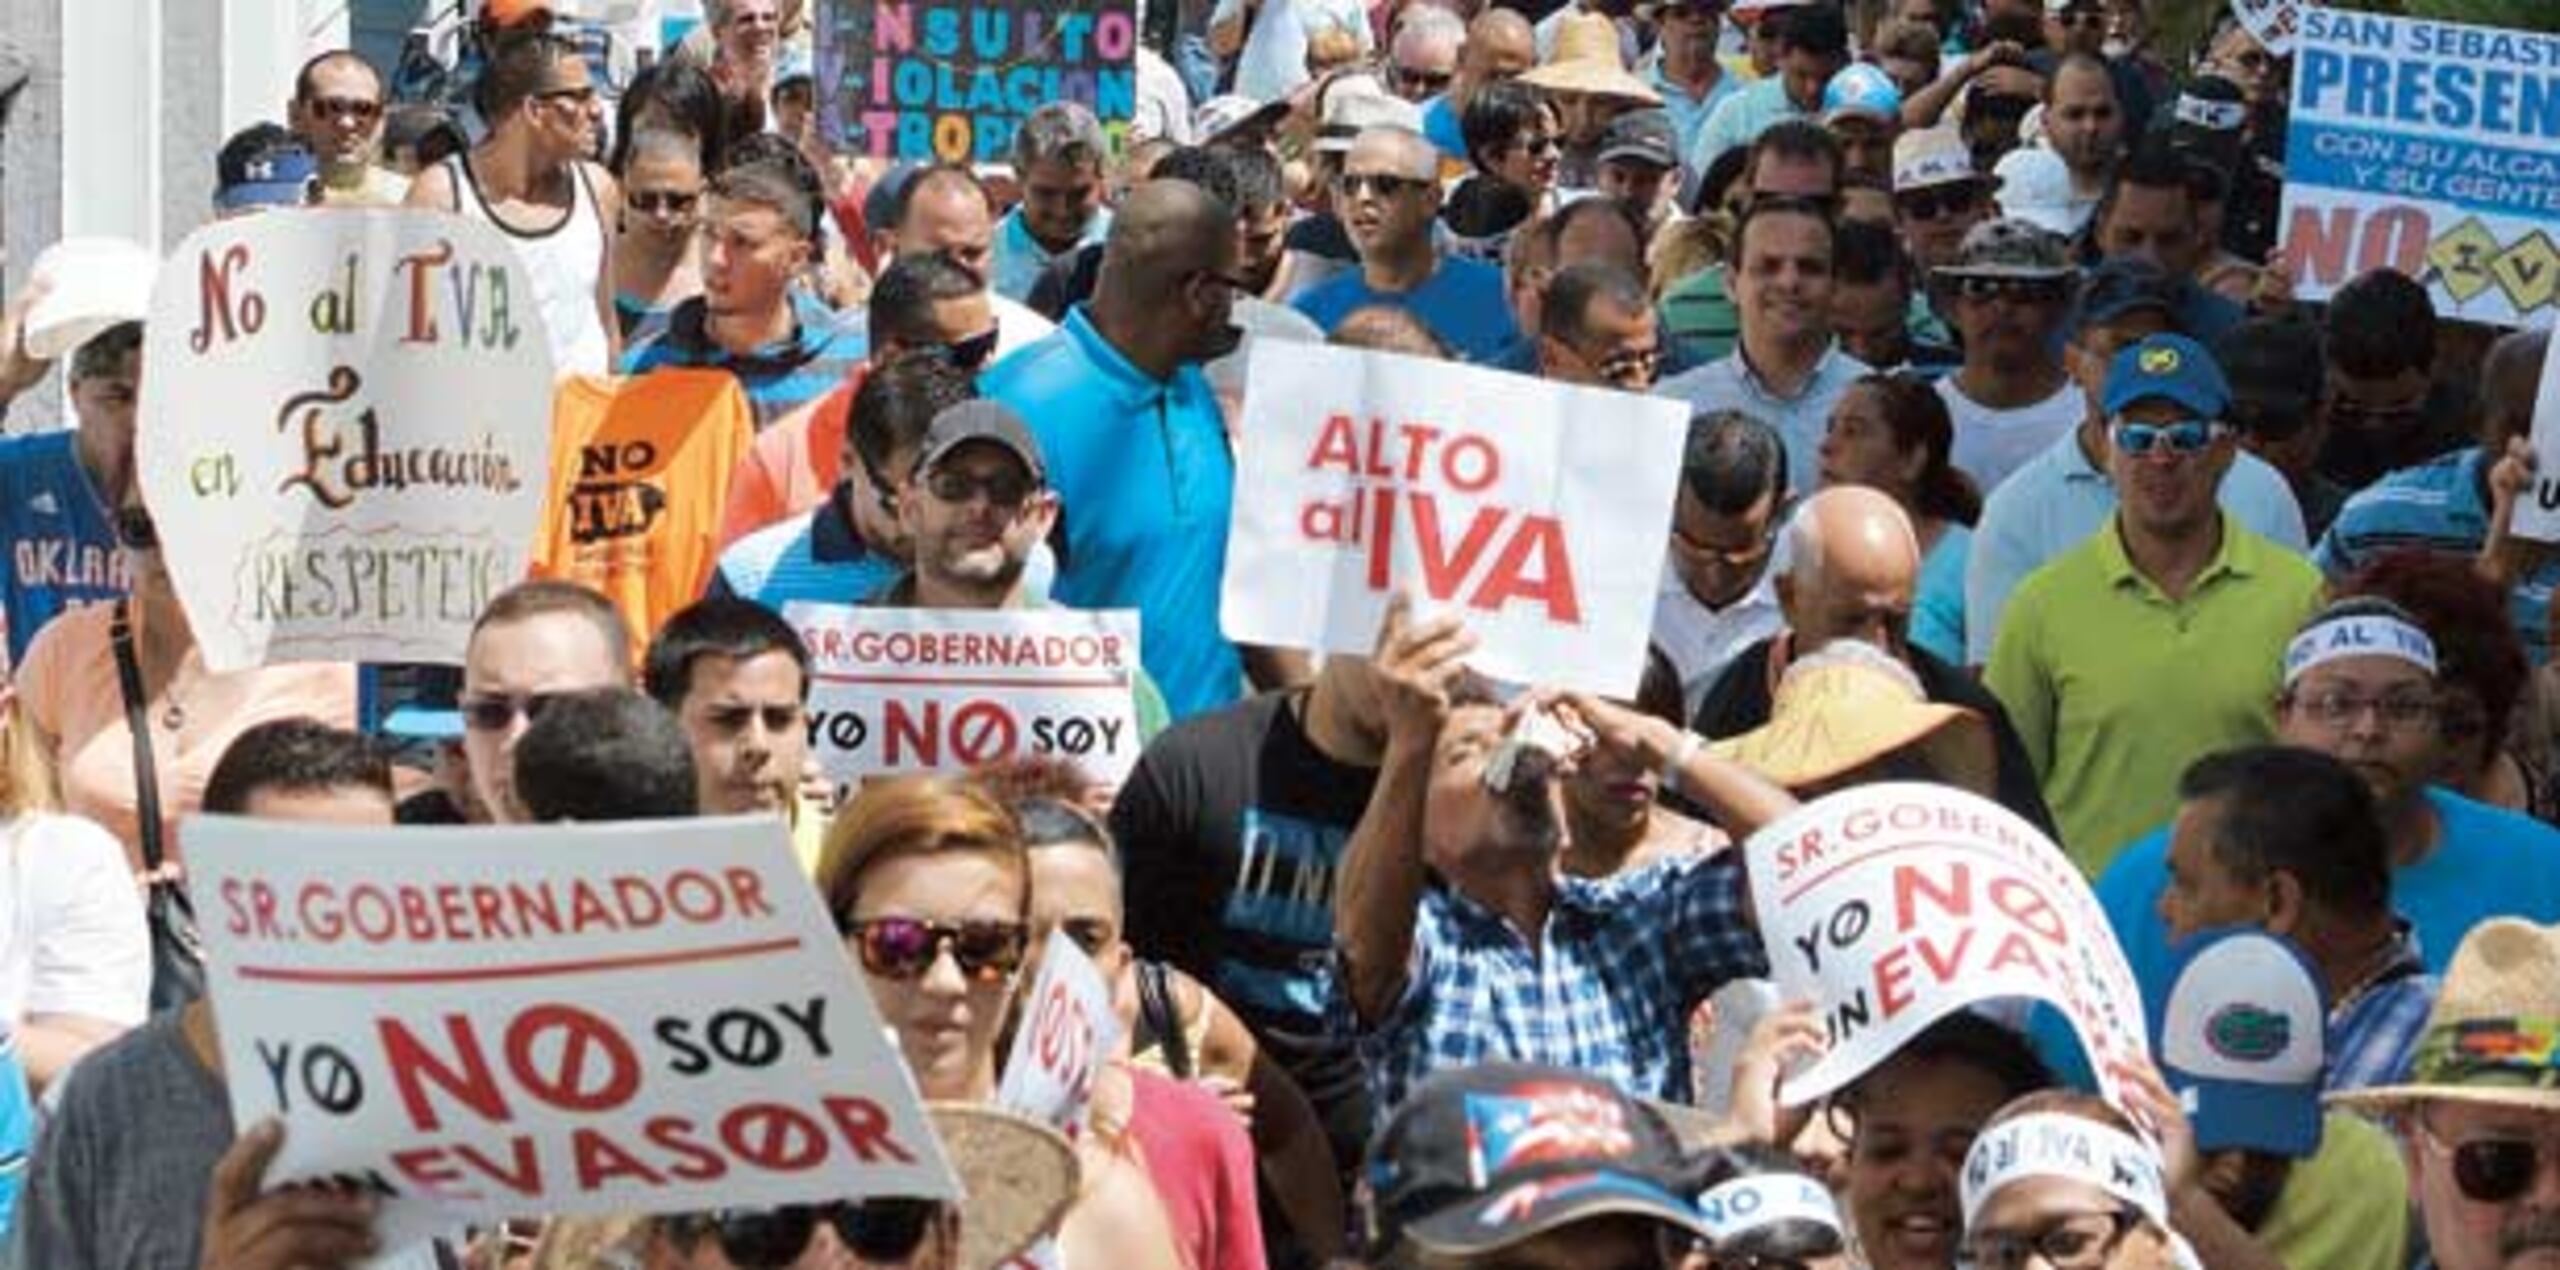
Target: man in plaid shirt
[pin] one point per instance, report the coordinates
(1460, 944)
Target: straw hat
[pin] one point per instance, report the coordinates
(1586, 61)
(1020, 1177)
(2494, 1034)
(1850, 704)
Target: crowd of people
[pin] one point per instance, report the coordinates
(2014, 465)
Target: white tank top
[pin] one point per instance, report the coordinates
(563, 262)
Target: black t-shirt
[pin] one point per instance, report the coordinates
(1066, 282)
(1231, 831)
(1320, 235)
(1739, 702)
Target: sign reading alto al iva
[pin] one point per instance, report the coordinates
(1892, 906)
(1535, 511)
(896, 691)
(345, 433)
(474, 1024)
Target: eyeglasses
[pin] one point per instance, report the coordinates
(1635, 363)
(1005, 491)
(494, 713)
(672, 202)
(1384, 185)
(2338, 709)
(2080, 1241)
(2187, 436)
(876, 1230)
(2492, 1170)
(906, 947)
(1092, 934)
(970, 352)
(135, 529)
(1930, 204)
(356, 108)
(2018, 290)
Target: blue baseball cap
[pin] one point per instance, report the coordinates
(2243, 1042)
(1861, 89)
(2168, 368)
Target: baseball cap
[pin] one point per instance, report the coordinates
(501, 14)
(2010, 248)
(1861, 89)
(980, 419)
(92, 285)
(262, 165)
(2169, 368)
(2275, 371)
(1219, 116)
(2241, 1041)
(2126, 284)
(1641, 136)
(1483, 1158)
(2035, 187)
(1357, 103)
(794, 64)
(1927, 157)
(880, 205)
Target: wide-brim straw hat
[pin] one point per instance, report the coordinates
(1830, 717)
(1586, 61)
(2493, 1037)
(1020, 1176)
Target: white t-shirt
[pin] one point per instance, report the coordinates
(1701, 642)
(74, 940)
(1274, 58)
(1990, 444)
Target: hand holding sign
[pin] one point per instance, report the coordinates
(1069, 1031)
(283, 1229)
(1418, 664)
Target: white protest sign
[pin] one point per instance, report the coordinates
(345, 432)
(484, 1023)
(1069, 1030)
(895, 691)
(2274, 23)
(2537, 514)
(1538, 512)
(1893, 905)
(2426, 147)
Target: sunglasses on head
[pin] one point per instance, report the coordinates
(875, 1230)
(1931, 204)
(906, 947)
(2187, 436)
(135, 529)
(494, 713)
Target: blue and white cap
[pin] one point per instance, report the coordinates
(2242, 1040)
(1861, 89)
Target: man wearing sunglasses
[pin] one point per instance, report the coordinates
(2160, 639)
(1388, 196)
(2479, 1118)
(337, 112)
(2010, 289)
(535, 642)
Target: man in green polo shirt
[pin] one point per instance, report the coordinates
(2159, 639)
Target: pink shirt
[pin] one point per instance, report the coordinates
(1202, 1165)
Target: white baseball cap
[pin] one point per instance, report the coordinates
(1924, 157)
(2035, 187)
(92, 284)
(2242, 1039)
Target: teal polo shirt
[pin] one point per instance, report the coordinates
(2115, 688)
(1146, 481)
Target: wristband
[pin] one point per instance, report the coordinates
(1686, 749)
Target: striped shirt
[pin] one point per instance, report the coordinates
(815, 557)
(2373, 1033)
(778, 377)
(2437, 507)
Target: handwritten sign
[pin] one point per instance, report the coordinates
(345, 433)
(914, 80)
(1894, 905)
(1069, 1031)
(484, 1023)
(897, 691)
(2425, 147)
(1538, 512)
(2277, 24)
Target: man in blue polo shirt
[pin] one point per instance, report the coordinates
(1136, 446)
(1389, 199)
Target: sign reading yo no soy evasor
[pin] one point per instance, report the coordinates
(344, 432)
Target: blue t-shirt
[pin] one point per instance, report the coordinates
(62, 546)
(1440, 127)
(1146, 482)
(1462, 302)
(1937, 604)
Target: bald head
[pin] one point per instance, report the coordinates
(1852, 562)
(2511, 376)
(1163, 233)
(1387, 148)
(1499, 45)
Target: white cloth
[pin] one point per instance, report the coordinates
(1991, 443)
(1701, 641)
(74, 942)
(1018, 325)
(563, 261)
(1274, 59)
(1164, 105)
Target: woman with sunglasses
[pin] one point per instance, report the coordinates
(1515, 141)
(930, 881)
(119, 688)
(655, 267)
(1892, 432)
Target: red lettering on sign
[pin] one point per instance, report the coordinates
(865, 1127)
(599, 1160)
(413, 1065)
(2326, 246)
(1532, 565)
(1911, 883)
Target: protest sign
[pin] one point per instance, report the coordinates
(2425, 147)
(896, 691)
(483, 1023)
(914, 81)
(345, 434)
(2277, 24)
(1538, 512)
(1069, 1031)
(1891, 906)
(2537, 514)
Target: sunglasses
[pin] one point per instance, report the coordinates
(2492, 1170)
(2021, 290)
(1377, 184)
(876, 1230)
(2187, 436)
(905, 948)
(674, 202)
(1425, 81)
(1932, 204)
(495, 713)
(136, 531)
(1005, 491)
(1537, 143)
(972, 351)
(356, 108)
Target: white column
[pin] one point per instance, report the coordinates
(111, 96)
